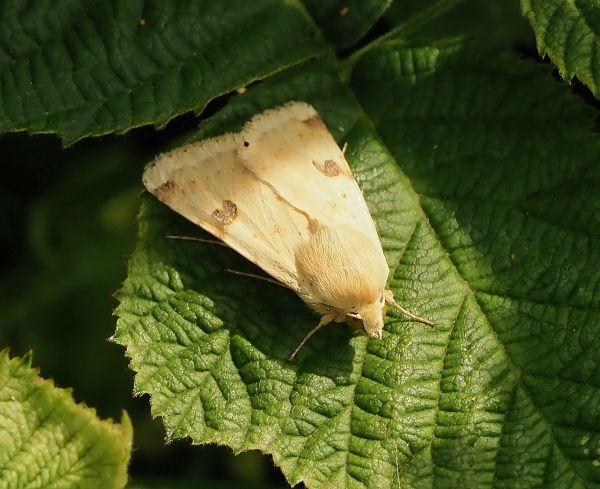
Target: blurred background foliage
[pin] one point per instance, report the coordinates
(67, 224)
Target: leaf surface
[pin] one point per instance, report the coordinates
(569, 32)
(65, 69)
(346, 21)
(46, 440)
(468, 160)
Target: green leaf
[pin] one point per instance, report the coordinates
(49, 441)
(65, 69)
(495, 150)
(569, 32)
(468, 160)
(345, 21)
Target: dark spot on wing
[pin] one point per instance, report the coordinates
(166, 190)
(226, 214)
(314, 121)
(328, 168)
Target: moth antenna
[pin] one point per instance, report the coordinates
(325, 320)
(389, 298)
(253, 275)
(200, 240)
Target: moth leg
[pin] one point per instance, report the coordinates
(259, 277)
(344, 148)
(325, 320)
(389, 299)
(199, 240)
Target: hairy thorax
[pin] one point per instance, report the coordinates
(344, 273)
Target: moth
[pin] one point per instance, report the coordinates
(281, 193)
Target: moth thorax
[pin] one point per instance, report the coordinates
(346, 273)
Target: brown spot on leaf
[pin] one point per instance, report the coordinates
(226, 214)
(328, 168)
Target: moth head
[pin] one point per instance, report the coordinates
(368, 318)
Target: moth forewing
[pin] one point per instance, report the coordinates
(281, 193)
(291, 148)
(207, 183)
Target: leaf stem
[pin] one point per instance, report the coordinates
(407, 28)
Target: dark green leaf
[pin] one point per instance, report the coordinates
(498, 23)
(569, 32)
(346, 21)
(66, 69)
